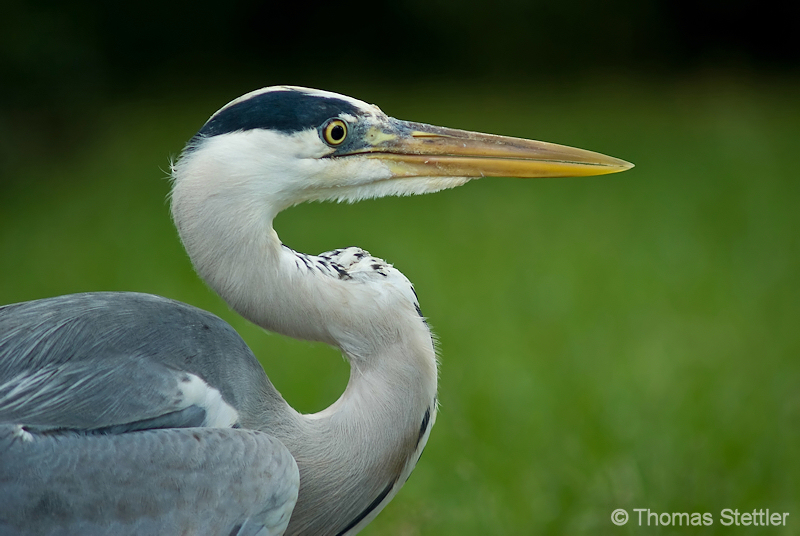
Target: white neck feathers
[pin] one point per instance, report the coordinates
(363, 447)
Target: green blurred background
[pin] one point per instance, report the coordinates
(627, 341)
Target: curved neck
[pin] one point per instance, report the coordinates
(356, 454)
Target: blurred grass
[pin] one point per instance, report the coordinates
(623, 341)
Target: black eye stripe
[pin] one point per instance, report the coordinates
(286, 111)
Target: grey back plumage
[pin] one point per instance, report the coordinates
(100, 435)
(172, 481)
(97, 333)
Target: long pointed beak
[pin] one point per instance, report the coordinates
(420, 150)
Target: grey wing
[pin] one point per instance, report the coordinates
(203, 481)
(112, 394)
(101, 399)
(100, 360)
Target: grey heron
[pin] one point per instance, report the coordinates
(127, 413)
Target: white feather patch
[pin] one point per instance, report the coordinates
(219, 414)
(20, 433)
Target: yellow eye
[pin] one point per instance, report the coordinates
(334, 132)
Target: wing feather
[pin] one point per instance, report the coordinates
(79, 395)
(192, 480)
(115, 418)
(98, 360)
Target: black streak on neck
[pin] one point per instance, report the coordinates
(372, 506)
(424, 426)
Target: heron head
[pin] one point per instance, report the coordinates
(293, 144)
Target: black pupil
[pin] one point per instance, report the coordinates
(337, 132)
